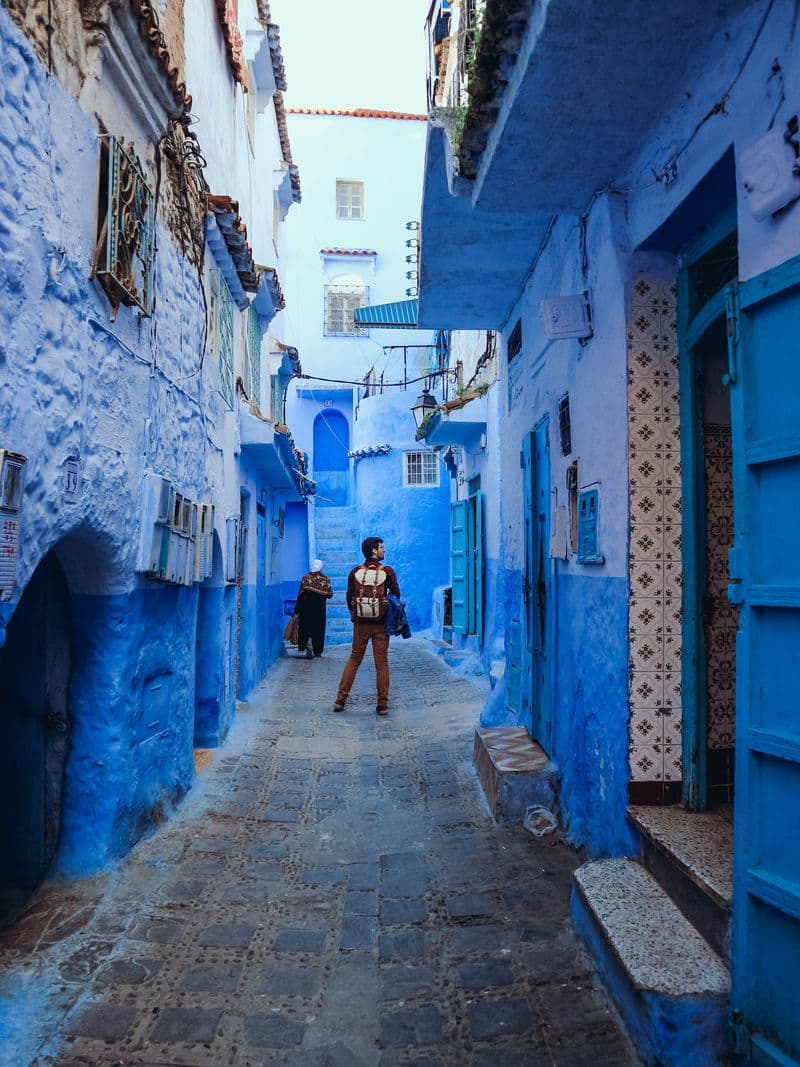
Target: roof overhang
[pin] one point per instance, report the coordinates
(585, 93)
(268, 299)
(268, 452)
(471, 260)
(458, 425)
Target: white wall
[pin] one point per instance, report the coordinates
(386, 154)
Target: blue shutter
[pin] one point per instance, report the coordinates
(765, 398)
(478, 570)
(458, 564)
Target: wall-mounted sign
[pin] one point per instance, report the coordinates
(72, 478)
(12, 468)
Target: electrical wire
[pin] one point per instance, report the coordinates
(386, 385)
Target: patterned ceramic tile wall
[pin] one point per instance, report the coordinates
(720, 628)
(654, 620)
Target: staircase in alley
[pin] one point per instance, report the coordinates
(336, 544)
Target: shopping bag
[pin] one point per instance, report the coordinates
(292, 631)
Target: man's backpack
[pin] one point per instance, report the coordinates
(369, 599)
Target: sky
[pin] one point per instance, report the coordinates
(354, 53)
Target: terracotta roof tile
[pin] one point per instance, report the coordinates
(234, 231)
(357, 113)
(347, 252)
(150, 30)
(286, 148)
(234, 44)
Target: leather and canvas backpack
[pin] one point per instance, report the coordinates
(369, 600)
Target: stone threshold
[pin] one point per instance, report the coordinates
(699, 843)
(690, 854)
(670, 986)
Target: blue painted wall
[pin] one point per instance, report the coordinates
(590, 719)
(132, 711)
(153, 665)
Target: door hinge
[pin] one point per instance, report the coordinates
(735, 593)
(740, 1033)
(735, 564)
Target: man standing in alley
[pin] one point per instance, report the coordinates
(368, 586)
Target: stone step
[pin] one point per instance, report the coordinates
(513, 770)
(335, 562)
(670, 986)
(690, 854)
(333, 519)
(336, 538)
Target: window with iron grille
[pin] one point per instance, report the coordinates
(221, 333)
(276, 388)
(349, 200)
(341, 302)
(253, 356)
(420, 469)
(123, 256)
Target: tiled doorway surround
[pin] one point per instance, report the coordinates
(655, 561)
(655, 568)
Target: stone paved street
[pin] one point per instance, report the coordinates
(333, 892)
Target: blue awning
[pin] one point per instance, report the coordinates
(399, 315)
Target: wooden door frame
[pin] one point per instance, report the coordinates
(694, 700)
(529, 598)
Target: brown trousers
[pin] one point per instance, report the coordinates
(363, 632)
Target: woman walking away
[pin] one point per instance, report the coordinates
(311, 604)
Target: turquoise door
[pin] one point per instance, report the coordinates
(476, 517)
(466, 565)
(459, 549)
(765, 571)
(537, 583)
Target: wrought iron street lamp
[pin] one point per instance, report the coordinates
(425, 405)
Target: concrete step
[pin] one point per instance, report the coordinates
(513, 770)
(690, 854)
(670, 986)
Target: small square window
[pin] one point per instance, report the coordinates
(420, 469)
(349, 200)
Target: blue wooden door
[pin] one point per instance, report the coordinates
(542, 721)
(764, 331)
(459, 565)
(262, 597)
(34, 676)
(537, 584)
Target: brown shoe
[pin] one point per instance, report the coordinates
(382, 710)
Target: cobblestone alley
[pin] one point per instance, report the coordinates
(332, 892)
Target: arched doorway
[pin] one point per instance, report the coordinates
(331, 461)
(34, 678)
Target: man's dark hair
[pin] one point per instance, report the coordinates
(370, 543)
